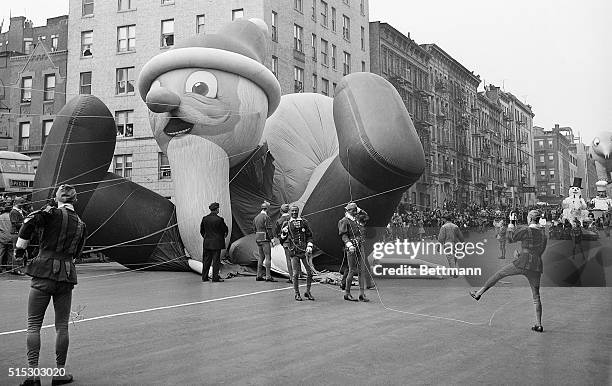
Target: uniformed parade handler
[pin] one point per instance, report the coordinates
(528, 262)
(262, 225)
(281, 222)
(62, 236)
(352, 232)
(298, 235)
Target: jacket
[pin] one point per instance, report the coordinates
(62, 236)
(213, 230)
(262, 226)
(533, 243)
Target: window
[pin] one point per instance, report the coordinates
(324, 86)
(167, 2)
(363, 66)
(24, 136)
(126, 38)
(49, 92)
(237, 13)
(334, 88)
(346, 27)
(167, 33)
(551, 157)
(543, 173)
(124, 5)
(275, 66)
(85, 83)
(298, 79)
(298, 5)
(313, 42)
(362, 7)
(363, 39)
(314, 83)
(26, 89)
(125, 81)
(551, 174)
(346, 66)
(552, 189)
(54, 42)
(323, 14)
(88, 6)
(164, 167)
(550, 143)
(324, 51)
(86, 43)
(541, 157)
(27, 45)
(200, 22)
(124, 123)
(297, 38)
(123, 165)
(314, 10)
(541, 143)
(333, 56)
(274, 26)
(46, 130)
(333, 19)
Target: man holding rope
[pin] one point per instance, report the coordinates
(62, 236)
(298, 235)
(352, 232)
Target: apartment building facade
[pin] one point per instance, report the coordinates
(313, 44)
(400, 60)
(556, 163)
(33, 65)
(456, 168)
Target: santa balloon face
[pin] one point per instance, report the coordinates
(222, 107)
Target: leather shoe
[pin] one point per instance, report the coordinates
(271, 279)
(298, 297)
(349, 298)
(309, 296)
(260, 279)
(362, 298)
(537, 328)
(218, 280)
(62, 380)
(204, 279)
(476, 297)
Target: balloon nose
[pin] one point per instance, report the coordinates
(162, 100)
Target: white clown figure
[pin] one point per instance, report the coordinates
(574, 206)
(601, 202)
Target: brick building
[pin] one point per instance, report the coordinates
(556, 163)
(456, 166)
(313, 43)
(33, 64)
(404, 63)
(518, 166)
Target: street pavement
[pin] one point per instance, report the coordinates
(170, 328)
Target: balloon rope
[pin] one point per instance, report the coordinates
(112, 214)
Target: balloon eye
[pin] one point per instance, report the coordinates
(200, 88)
(202, 83)
(596, 141)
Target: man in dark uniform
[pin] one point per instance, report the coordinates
(16, 215)
(352, 232)
(298, 235)
(214, 231)
(62, 236)
(281, 222)
(528, 262)
(262, 225)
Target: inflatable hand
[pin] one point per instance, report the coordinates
(137, 224)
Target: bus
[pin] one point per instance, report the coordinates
(16, 175)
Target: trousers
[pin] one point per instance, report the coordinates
(265, 260)
(211, 256)
(41, 292)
